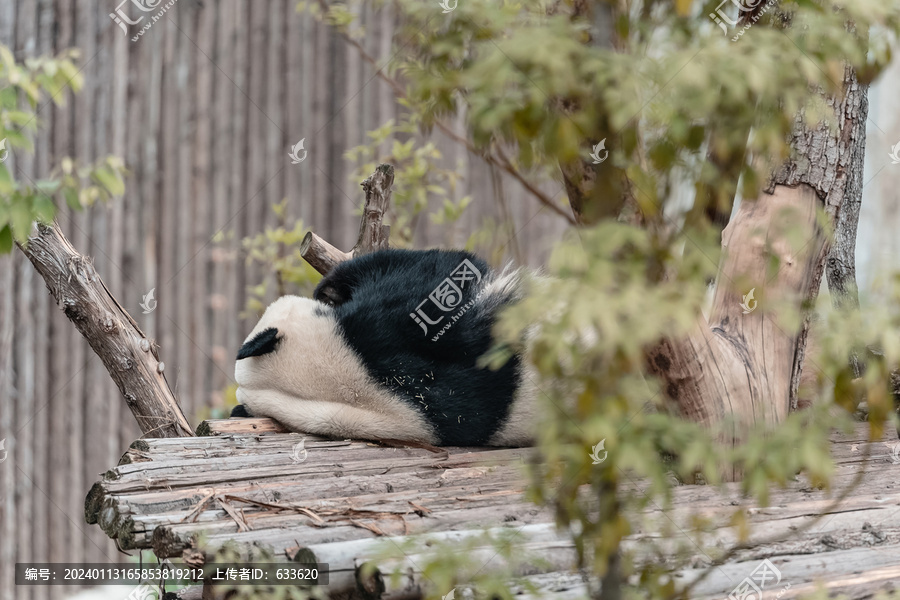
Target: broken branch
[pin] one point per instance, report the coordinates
(115, 337)
(373, 235)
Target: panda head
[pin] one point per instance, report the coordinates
(287, 347)
(297, 367)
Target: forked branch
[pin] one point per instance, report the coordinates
(373, 235)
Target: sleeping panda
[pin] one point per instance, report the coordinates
(388, 348)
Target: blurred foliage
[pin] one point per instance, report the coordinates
(22, 89)
(675, 101)
(277, 252)
(231, 553)
(418, 177)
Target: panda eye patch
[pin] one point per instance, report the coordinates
(262, 343)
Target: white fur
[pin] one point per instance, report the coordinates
(315, 383)
(521, 422)
(520, 426)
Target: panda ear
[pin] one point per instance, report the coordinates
(331, 294)
(336, 288)
(262, 343)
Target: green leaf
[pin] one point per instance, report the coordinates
(44, 209)
(6, 240)
(47, 186)
(7, 185)
(20, 219)
(71, 196)
(110, 180)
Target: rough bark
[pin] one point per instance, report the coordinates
(840, 267)
(833, 166)
(131, 359)
(373, 235)
(748, 366)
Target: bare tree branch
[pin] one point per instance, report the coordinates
(131, 359)
(373, 234)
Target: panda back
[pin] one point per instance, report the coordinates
(376, 298)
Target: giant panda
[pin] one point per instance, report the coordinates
(388, 348)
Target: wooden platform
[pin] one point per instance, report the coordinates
(335, 500)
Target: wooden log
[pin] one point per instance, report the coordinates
(847, 574)
(214, 427)
(346, 559)
(340, 519)
(531, 557)
(130, 358)
(872, 519)
(372, 492)
(147, 510)
(136, 515)
(226, 461)
(373, 235)
(146, 488)
(859, 572)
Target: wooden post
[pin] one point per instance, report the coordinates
(373, 235)
(130, 358)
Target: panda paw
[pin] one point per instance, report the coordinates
(240, 411)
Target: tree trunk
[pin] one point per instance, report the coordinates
(130, 358)
(745, 363)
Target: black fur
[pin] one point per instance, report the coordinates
(240, 411)
(263, 342)
(373, 297)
